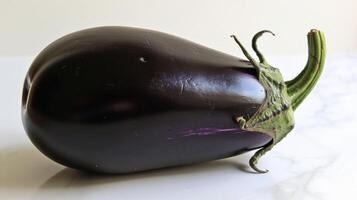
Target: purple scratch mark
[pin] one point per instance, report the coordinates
(211, 131)
(207, 131)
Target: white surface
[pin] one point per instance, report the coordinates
(28, 26)
(316, 161)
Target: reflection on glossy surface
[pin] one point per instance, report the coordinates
(83, 179)
(152, 183)
(24, 168)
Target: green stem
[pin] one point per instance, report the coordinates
(275, 117)
(245, 52)
(255, 47)
(301, 86)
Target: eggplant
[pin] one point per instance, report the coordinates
(123, 100)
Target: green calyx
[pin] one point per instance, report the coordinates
(276, 115)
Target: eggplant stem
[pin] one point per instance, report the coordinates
(245, 52)
(255, 47)
(275, 117)
(254, 159)
(301, 86)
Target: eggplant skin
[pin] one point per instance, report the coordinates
(122, 100)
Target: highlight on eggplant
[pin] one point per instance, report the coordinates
(123, 100)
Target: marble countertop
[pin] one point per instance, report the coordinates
(315, 161)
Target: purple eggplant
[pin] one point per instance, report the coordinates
(122, 100)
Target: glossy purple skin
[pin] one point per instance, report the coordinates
(122, 100)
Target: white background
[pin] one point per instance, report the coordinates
(26, 27)
(316, 160)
